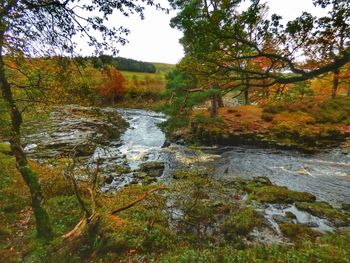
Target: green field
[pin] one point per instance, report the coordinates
(162, 70)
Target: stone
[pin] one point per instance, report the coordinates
(280, 219)
(140, 175)
(109, 179)
(166, 144)
(291, 215)
(345, 207)
(310, 224)
(180, 141)
(149, 180)
(260, 181)
(153, 169)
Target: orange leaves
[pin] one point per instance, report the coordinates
(114, 84)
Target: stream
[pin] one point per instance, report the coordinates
(326, 175)
(123, 157)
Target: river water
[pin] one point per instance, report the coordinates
(326, 174)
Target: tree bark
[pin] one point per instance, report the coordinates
(246, 92)
(335, 82)
(220, 101)
(246, 97)
(213, 107)
(43, 225)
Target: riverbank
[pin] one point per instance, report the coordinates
(198, 212)
(307, 125)
(194, 217)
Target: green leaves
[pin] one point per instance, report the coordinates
(231, 41)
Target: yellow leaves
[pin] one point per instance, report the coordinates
(300, 118)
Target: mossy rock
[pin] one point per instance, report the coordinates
(153, 169)
(298, 233)
(323, 210)
(149, 180)
(185, 174)
(345, 207)
(291, 215)
(122, 169)
(240, 223)
(237, 184)
(279, 194)
(257, 182)
(140, 175)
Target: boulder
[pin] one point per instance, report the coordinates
(153, 169)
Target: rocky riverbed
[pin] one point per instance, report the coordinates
(128, 147)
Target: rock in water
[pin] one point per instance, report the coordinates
(153, 169)
(75, 128)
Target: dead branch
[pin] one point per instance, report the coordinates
(143, 197)
(74, 239)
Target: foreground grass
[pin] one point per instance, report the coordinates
(143, 233)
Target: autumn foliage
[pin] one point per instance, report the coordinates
(114, 85)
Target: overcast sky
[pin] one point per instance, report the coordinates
(154, 40)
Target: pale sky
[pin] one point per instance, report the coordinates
(153, 40)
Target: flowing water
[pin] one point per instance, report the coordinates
(326, 175)
(143, 140)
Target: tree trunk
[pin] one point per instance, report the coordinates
(44, 229)
(335, 83)
(246, 97)
(246, 93)
(213, 108)
(220, 101)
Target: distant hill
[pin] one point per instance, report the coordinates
(163, 68)
(128, 65)
(124, 64)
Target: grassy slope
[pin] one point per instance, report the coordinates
(303, 124)
(161, 70)
(143, 231)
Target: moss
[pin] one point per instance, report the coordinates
(182, 174)
(5, 148)
(298, 233)
(5, 231)
(257, 182)
(240, 223)
(329, 249)
(12, 200)
(64, 212)
(290, 215)
(323, 210)
(122, 169)
(279, 194)
(345, 207)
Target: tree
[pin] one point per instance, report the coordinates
(35, 27)
(114, 84)
(229, 41)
